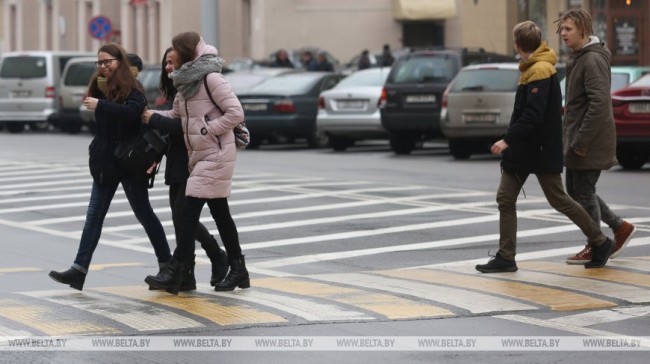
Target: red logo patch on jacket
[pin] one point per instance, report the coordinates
(534, 90)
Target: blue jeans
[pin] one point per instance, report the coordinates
(581, 185)
(100, 200)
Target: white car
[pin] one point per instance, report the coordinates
(350, 111)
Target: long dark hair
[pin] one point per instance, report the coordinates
(121, 82)
(166, 85)
(185, 45)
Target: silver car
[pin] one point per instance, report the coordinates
(73, 88)
(29, 87)
(350, 112)
(476, 107)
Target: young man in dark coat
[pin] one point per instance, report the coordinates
(533, 145)
(589, 129)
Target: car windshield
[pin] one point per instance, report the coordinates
(23, 67)
(424, 69)
(365, 78)
(294, 84)
(619, 80)
(243, 82)
(642, 82)
(79, 74)
(150, 78)
(486, 79)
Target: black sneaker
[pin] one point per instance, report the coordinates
(600, 254)
(497, 265)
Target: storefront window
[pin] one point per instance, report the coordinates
(625, 30)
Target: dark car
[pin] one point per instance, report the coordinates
(411, 99)
(286, 106)
(631, 106)
(150, 79)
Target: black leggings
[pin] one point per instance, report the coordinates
(190, 220)
(202, 235)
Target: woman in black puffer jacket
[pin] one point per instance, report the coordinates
(118, 101)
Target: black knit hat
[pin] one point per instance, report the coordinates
(134, 60)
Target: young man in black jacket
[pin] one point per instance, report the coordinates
(533, 145)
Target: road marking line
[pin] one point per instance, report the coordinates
(7, 331)
(217, 312)
(49, 321)
(19, 270)
(137, 315)
(602, 316)
(307, 309)
(390, 306)
(98, 267)
(555, 299)
(48, 177)
(570, 328)
(578, 281)
(473, 302)
(605, 274)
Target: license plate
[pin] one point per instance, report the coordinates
(639, 108)
(351, 104)
(420, 99)
(20, 93)
(255, 107)
(480, 118)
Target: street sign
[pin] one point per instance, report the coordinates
(100, 27)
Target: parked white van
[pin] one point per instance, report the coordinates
(29, 93)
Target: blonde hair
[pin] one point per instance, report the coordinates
(527, 36)
(579, 16)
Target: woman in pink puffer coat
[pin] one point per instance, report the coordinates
(210, 142)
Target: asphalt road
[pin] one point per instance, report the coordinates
(361, 256)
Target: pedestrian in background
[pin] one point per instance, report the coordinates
(323, 64)
(387, 58)
(533, 145)
(364, 60)
(308, 61)
(282, 60)
(118, 100)
(589, 129)
(176, 175)
(210, 141)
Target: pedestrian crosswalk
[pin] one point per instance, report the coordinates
(319, 250)
(396, 294)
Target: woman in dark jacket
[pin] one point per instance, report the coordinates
(176, 174)
(118, 101)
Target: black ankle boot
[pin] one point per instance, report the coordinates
(188, 281)
(169, 278)
(72, 277)
(219, 268)
(238, 276)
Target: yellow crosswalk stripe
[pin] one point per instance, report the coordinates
(605, 274)
(19, 270)
(555, 299)
(387, 305)
(217, 312)
(49, 321)
(96, 267)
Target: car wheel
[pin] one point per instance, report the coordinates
(39, 125)
(401, 143)
(459, 149)
(15, 127)
(629, 159)
(318, 139)
(73, 128)
(340, 144)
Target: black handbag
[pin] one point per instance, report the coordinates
(141, 156)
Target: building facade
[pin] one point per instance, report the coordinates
(256, 28)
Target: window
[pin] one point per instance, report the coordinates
(440, 68)
(23, 67)
(488, 79)
(79, 74)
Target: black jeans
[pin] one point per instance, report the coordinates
(203, 236)
(100, 200)
(581, 185)
(190, 219)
